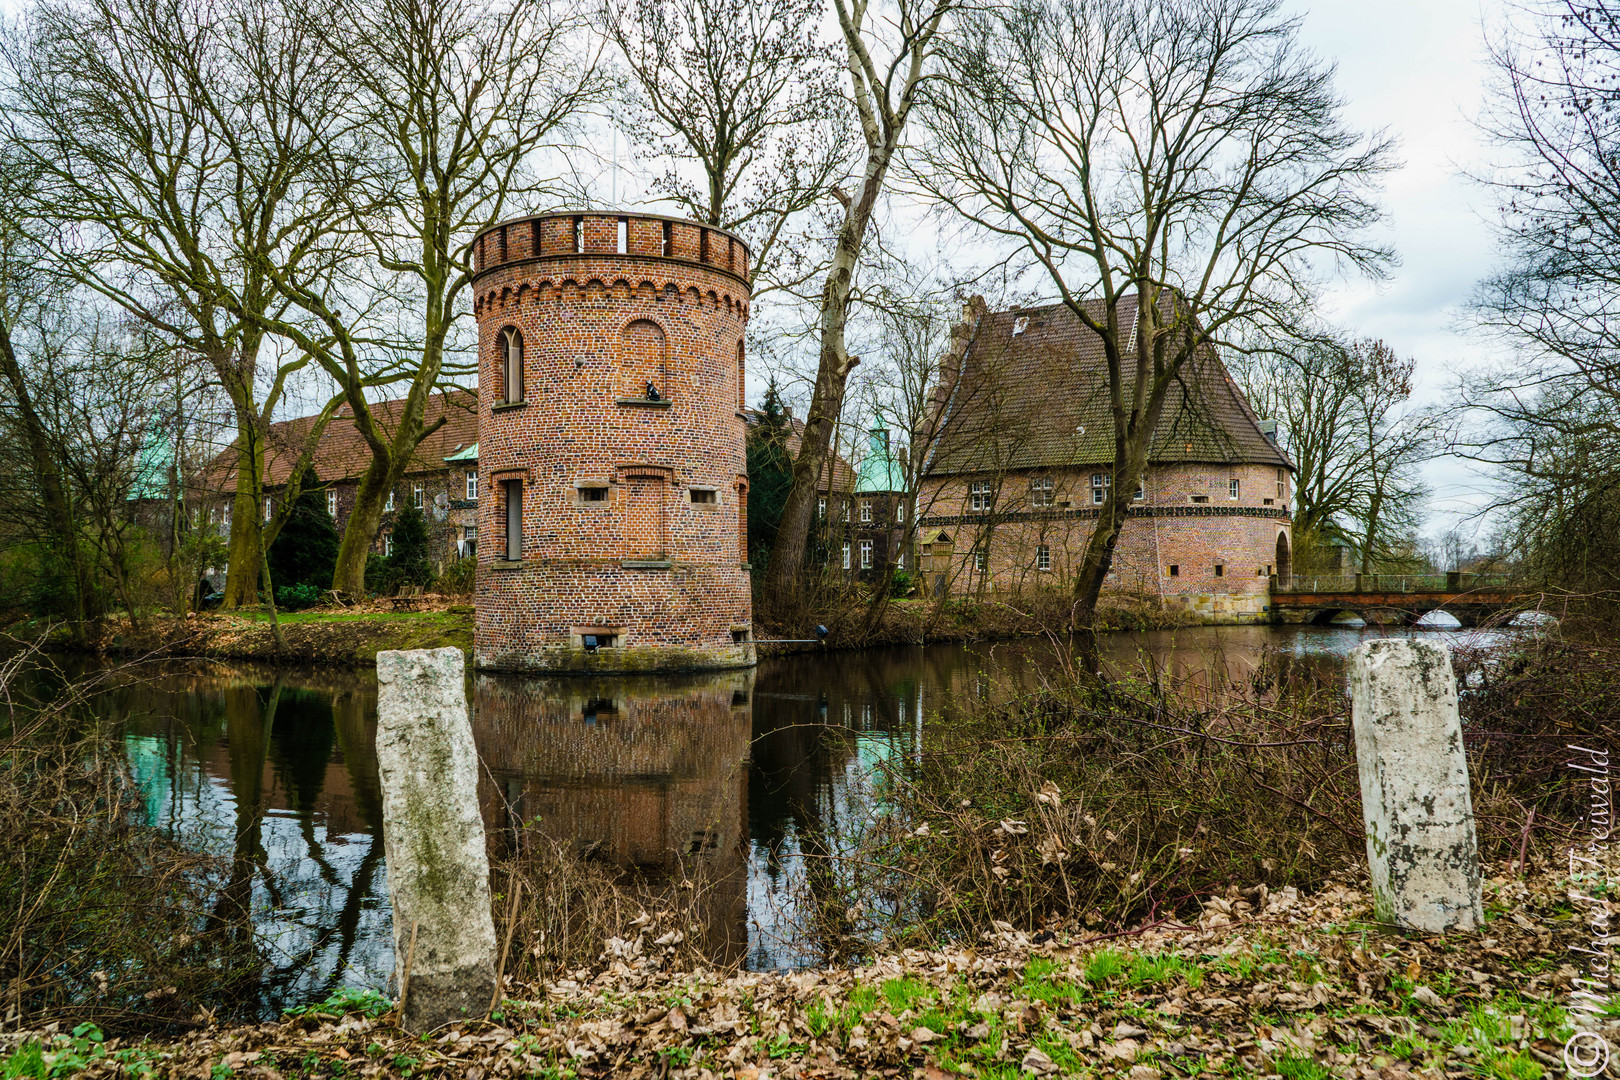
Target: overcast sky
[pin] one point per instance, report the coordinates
(1416, 68)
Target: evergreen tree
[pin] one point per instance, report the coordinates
(305, 551)
(770, 475)
(408, 562)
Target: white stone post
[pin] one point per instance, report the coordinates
(433, 835)
(1421, 849)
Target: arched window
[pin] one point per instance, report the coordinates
(644, 363)
(512, 364)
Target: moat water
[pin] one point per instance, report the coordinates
(729, 779)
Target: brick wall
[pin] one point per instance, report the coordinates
(633, 498)
(1188, 540)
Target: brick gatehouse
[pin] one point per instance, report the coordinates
(611, 445)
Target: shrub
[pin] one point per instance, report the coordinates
(460, 578)
(297, 597)
(305, 551)
(409, 559)
(380, 576)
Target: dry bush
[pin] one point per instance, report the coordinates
(1106, 805)
(107, 920)
(557, 912)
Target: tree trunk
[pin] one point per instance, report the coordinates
(360, 531)
(58, 511)
(832, 381)
(247, 536)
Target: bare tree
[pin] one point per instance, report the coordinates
(447, 106)
(748, 93)
(1178, 168)
(176, 177)
(1345, 416)
(890, 54)
(1548, 419)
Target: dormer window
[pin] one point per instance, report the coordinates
(1020, 324)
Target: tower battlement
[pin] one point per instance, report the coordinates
(614, 487)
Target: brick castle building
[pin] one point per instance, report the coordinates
(1023, 456)
(611, 445)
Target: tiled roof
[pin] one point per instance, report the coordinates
(1039, 399)
(343, 455)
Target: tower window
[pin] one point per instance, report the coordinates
(512, 364)
(514, 519)
(624, 236)
(669, 239)
(703, 496)
(1282, 483)
(742, 379)
(579, 236)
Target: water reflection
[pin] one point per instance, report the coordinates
(749, 780)
(647, 774)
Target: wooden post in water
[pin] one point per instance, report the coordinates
(1421, 847)
(433, 835)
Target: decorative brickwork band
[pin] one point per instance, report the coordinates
(1089, 513)
(622, 550)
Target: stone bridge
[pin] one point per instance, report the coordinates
(1398, 599)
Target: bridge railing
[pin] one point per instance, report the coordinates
(1451, 581)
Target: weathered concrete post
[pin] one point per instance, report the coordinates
(1421, 847)
(438, 869)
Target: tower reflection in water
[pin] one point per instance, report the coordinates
(647, 774)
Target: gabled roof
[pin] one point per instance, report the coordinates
(343, 455)
(1032, 393)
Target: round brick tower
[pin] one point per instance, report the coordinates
(614, 490)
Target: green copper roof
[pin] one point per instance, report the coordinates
(151, 476)
(467, 453)
(880, 471)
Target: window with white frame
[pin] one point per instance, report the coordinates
(979, 496)
(1282, 484)
(1043, 557)
(268, 507)
(846, 510)
(331, 504)
(418, 496)
(846, 554)
(472, 485)
(866, 554)
(866, 510)
(900, 559)
(388, 544)
(981, 561)
(1141, 492)
(1234, 488)
(821, 508)
(900, 510)
(389, 505)
(1100, 482)
(1040, 491)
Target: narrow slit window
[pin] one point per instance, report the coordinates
(624, 236)
(514, 519)
(579, 236)
(703, 245)
(669, 239)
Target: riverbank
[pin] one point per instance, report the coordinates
(352, 636)
(1274, 984)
